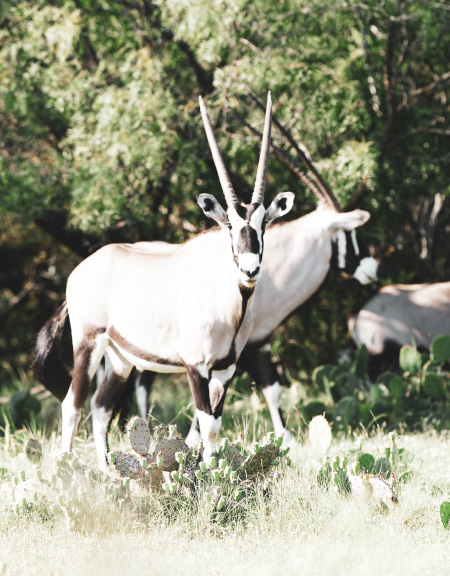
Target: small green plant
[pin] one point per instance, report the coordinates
(376, 478)
(340, 476)
(440, 350)
(444, 511)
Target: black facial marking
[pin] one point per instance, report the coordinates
(351, 259)
(248, 240)
(245, 212)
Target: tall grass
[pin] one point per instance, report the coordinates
(300, 527)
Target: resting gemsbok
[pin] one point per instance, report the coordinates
(184, 311)
(298, 256)
(402, 314)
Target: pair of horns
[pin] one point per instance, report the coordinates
(311, 177)
(260, 183)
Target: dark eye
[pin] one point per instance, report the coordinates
(229, 226)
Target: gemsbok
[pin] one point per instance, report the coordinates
(402, 314)
(298, 256)
(183, 311)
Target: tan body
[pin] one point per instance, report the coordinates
(185, 318)
(403, 314)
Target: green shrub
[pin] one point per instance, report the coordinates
(417, 395)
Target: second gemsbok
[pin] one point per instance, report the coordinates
(183, 311)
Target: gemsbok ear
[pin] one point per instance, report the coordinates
(349, 220)
(280, 206)
(213, 209)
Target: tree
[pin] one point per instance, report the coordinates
(102, 139)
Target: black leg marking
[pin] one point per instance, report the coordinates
(108, 395)
(258, 363)
(80, 378)
(199, 389)
(208, 398)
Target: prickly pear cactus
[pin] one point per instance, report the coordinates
(168, 465)
(139, 435)
(440, 349)
(151, 457)
(263, 457)
(128, 465)
(167, 449)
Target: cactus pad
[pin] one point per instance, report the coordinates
(139, 435)
(234, 457)
(155, 477)
(128, 465)
(33, 450)
(261, 462)
(168, 447)
(440, 349)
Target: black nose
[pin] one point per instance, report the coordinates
(252, 274)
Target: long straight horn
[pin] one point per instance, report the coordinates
(260, 183)
(286, 159)
(225, 182)
(326, 193)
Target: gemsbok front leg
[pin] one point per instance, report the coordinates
(209, 388)
(257, 361)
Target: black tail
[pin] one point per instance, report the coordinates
(47, 364)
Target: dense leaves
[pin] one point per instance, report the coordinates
(102, 139)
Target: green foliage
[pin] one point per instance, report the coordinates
(361, 361)
(410, 360)
(346, 413)
(362, 474)
(340, 477)
(440, 349)
(22, 409)
(444, 512)
(314, 408)
(102, 140)
(419, 395)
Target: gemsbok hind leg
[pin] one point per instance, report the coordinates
(143, 387)
(209, 388)
(108, 393)
(257, 361)
(87, 356)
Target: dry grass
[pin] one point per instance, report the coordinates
(301, 529)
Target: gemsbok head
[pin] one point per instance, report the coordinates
(186, 310)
